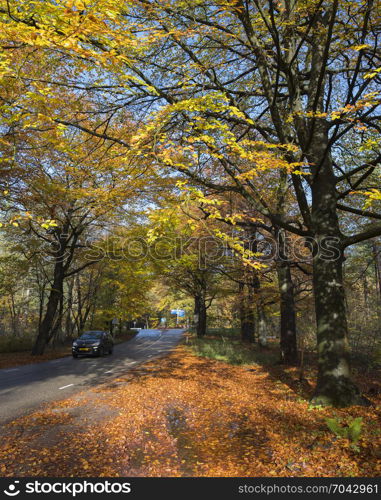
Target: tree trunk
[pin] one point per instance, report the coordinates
(334, 384)
(68, 320)
(41, 297)
(56, 334)
(12, 310)
(262, 325)
(46, 326)
(200, 315)
(247, 316)
(288, 344)
(376, 247)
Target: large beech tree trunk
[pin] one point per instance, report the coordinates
(334, 384)
(46, 325)
(63, 255)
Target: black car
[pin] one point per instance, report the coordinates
(93, 343)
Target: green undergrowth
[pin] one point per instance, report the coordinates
(232, 351)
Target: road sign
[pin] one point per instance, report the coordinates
(178, 312)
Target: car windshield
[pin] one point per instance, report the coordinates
(91, 335)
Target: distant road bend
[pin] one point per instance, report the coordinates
(26, 387)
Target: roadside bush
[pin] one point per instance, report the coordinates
(10, 343)
(231, 351)
(350, 431)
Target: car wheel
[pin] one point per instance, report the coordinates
(101, 352)
(111, 350)
(75, 355)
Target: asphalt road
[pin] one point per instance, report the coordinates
(24, 388)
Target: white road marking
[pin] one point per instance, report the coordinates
(65, 386)
(149, 344)
(11, 370)
(109, 371)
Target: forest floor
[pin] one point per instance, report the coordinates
(187, 415)
(18, 358)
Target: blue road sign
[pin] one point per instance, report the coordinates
(178, 312)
